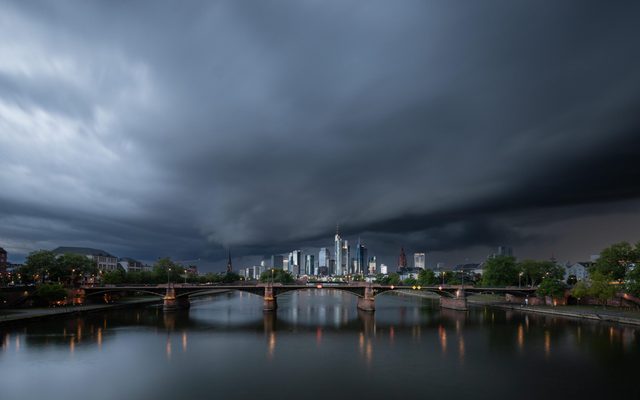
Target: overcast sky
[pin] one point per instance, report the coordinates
(184, 128)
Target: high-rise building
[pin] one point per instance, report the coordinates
(285, 264)
(338, 253)
(373, 266)
(419, 260)
(402, 260)
(504, 251)
(383, 269)
(309, 264)
(332, 267)
(361, 258)
(324, 256)
(277, 261)
(229, 265)
(346, 257)
(296, 263)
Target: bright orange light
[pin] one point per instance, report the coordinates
(319, 286)
(392, 287)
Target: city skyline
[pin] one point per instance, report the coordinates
(455, 131)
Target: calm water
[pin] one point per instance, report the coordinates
(317, 346)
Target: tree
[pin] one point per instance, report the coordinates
(572, 280)
(633, 281)
(601, 288)
(500, 271)
(72, 267)
(535, 271)
(615, 260)
(49, 293)
(114, 277)
(230, 277)
(410, 281)
(38, 264)
(165, 269)
(551, 287)
(426, 277)
(580, 290)
(279, 276)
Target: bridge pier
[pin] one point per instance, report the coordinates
(458, 303)
(270, 303)
(368, 302)
(173, 303)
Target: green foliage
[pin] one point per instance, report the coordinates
(48, 293)
(614, 261)
(500, 271)
(230, 277)
(580, 290)
(426, 277)
(551, 287)
(164, 269)
(600, 287)
(410, 281)
(572, 280)
(391, 279)
(534, 271)
(37, 264)
(115, 277)
(279, 276)
(633, 281)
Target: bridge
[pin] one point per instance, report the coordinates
(176, 296)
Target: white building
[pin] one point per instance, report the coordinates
(383, 269)
(580, 270)
(419, 260)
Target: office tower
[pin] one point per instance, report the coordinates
(361, 258)
(419, 260)
(295, 263)
(309, 264)
(373, 266)
(338, 253)
(277, 261)
(346, 257)
(383, 269)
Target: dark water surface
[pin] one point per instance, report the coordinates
(317, 346)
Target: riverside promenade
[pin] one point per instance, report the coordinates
(20, 315)
(585, 312)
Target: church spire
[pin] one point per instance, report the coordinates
(229, 266)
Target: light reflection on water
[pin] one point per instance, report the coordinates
(313, 337)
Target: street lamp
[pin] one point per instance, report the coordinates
(520, 278)
(168, 270)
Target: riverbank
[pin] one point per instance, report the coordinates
(14, 316)
(592, 313)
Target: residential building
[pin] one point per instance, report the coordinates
(130, 265)
(580, 270)
(103, 260)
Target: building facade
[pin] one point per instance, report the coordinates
(103, 260)
(419, 260)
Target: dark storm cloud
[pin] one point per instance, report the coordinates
(163, 128)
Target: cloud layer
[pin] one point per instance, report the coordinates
(180, 129)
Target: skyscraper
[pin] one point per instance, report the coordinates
(338, 252)
(309, 264)
(324, 261)
(345, 258)
(361, 258)
(277, 261)
(295, 263)
(419, 260)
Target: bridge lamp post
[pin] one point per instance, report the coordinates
(168, 270)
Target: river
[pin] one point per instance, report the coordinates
(317, 346)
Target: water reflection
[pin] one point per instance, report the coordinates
(404, 334)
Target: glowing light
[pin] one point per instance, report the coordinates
(520, 336)
(184, 341)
